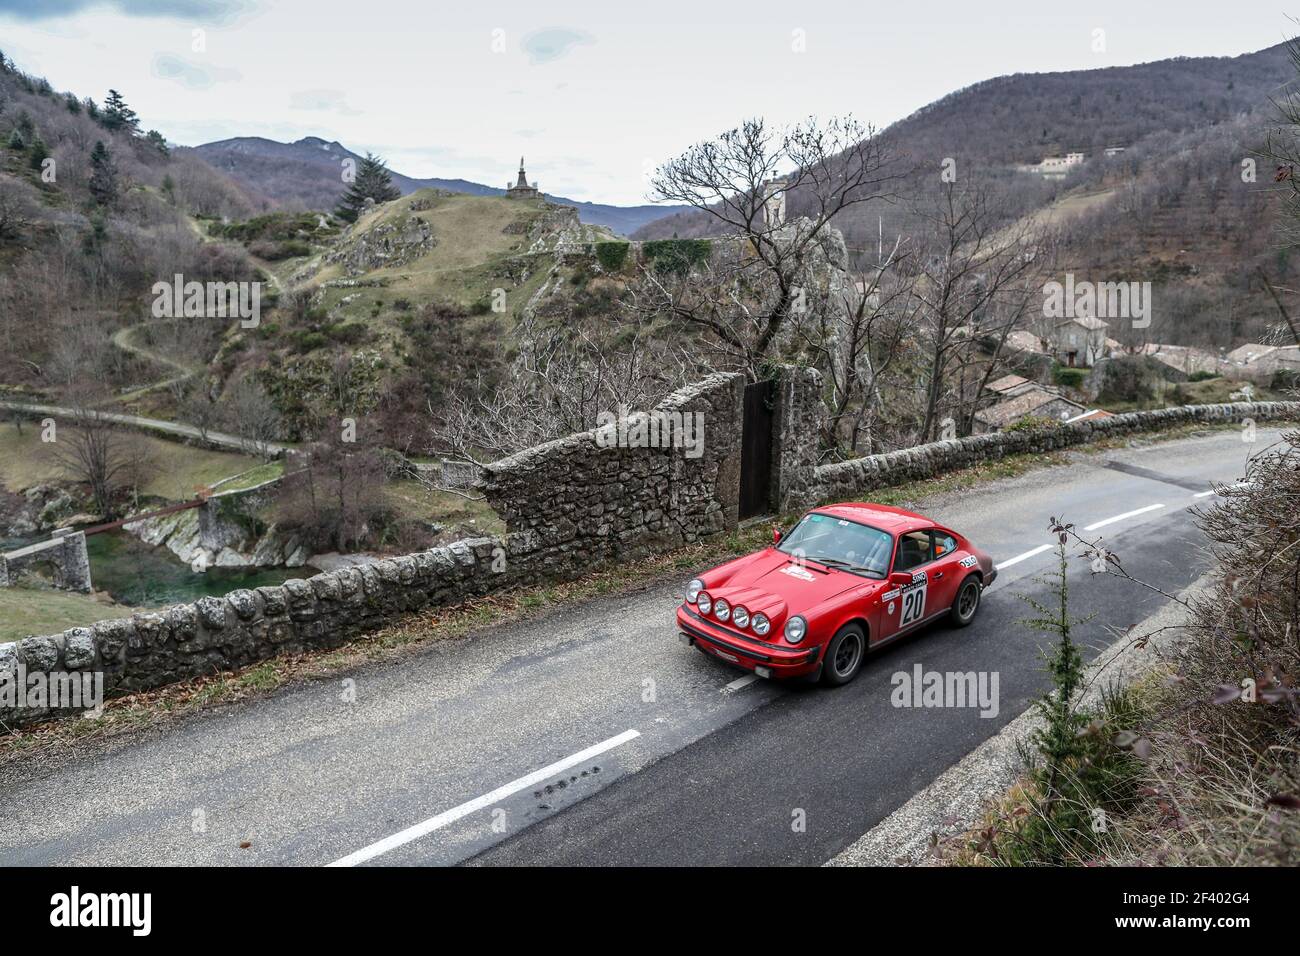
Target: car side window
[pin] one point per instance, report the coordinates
(915, 548)
(944, 544)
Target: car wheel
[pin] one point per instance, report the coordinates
(844, 656)
(967, 601)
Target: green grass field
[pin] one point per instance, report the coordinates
(177, 470)
(414, 500)
(27, 611)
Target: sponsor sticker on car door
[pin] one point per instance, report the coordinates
(913, 600)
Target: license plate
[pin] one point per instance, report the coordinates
(727, 657)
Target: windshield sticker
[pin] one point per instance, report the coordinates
(814, 517)
(795, 571)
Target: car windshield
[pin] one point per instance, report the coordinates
(839, 543)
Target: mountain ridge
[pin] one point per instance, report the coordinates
(306, 172)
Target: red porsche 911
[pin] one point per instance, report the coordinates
(845, 579)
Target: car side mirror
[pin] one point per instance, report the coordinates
(900, 577)
(776, 535)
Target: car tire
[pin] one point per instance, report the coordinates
(967, 602)
(844, 656)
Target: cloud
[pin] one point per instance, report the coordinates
(545, 46)
(202, 11)
(329, 101)
(188, 74)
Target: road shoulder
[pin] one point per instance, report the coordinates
(954, 802)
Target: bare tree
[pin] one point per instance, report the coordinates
(974, 286)
(336, 498)
(253, 417)
(101, 455)
(857, 342)
(745, 296)
(562, 380)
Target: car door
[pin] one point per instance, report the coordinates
(902, 608)
(946, 570)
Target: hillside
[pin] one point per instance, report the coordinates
(1172, 208)
(305, 175)
(420, 294)
(82, 240)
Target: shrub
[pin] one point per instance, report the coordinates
(676, 256)
(611, 255)
(1069, 377)
(1202, 376)
(1032, 422)
(277, 250)
(305, 340)
(349, 333)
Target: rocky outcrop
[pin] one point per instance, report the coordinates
(394, 242)
(225, 533)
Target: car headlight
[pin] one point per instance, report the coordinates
(693, 590)
(795, 629)
(739, 616)
(703, 602)
(760, 624)
(722, 609)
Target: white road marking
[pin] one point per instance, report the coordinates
(1215, 491)
(1021, 557)
(1128, 514)
(739, 683)
(478, 803)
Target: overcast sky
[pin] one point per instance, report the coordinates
(593, 93)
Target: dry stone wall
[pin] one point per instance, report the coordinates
(603, 495)
(570, 506)
(842, 480)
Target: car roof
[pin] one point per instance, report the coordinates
(893, 520)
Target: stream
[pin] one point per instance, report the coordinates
(138, 574)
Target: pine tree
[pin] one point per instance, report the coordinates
(117, 115)
(372, 182)
(74, 104)
(16, 141)
(39, 152)
(103, 175)
(158, 142)
(1058, 740)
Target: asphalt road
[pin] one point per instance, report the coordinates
(590, 735)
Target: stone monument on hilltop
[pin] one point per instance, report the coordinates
(521, 189)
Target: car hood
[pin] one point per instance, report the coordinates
(773, 582)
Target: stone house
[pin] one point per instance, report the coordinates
(1080, 341)
(1037, 401)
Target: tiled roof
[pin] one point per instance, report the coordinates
(1014, 409)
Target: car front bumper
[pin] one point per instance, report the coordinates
(767, 660)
